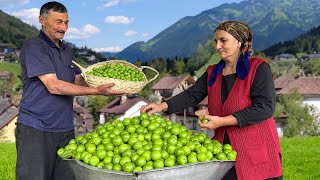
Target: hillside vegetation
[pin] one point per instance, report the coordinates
(13, 31)
(308, 42)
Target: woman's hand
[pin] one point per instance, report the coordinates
(202, 112)
(213, 122)
(154, 108)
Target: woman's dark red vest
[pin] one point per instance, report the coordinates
(257, 145)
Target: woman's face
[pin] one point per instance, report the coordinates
(227, 46)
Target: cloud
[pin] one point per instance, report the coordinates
(13, 3)
(29, 16)
(118, 20)
(145, 34)
(84, 33)
(109, 4)
(130, 33)
(114, 3)
(112, 49)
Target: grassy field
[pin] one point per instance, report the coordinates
(11, 67)
(15, 68)
(300, 159)
(7, 161)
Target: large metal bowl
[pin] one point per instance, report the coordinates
(211, 170)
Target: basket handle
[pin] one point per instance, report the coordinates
(79, 66)
(147, 67)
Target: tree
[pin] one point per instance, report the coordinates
(11, 57)
(300, 120)
(178, 67)
(312, 67)
(138, 63)
(201, 56)
(95, 103)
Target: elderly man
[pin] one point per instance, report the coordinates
(50, 81)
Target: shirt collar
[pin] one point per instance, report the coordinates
(45, 38)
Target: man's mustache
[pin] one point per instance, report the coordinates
(62, 32)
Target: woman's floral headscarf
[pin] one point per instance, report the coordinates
(239, 30)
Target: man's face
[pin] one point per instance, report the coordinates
(54, 25)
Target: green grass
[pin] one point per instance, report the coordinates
(300, 158)
(14, 68)
(7, 161)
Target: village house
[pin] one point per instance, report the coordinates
(308, 87)
(81, 52)
(122, 107)
(5, 75)
(285, 57)
(8, 120)
(8, 52)
(170, 86)
(7, 48)
(91, 59)
(82, 119)
(308, 57)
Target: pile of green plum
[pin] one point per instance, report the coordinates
(144, 143)
(118, 71)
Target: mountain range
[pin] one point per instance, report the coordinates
(271, 21)
(308, 42)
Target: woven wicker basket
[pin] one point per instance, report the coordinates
(126, 86)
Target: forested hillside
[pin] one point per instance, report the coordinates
(13, 31)
(308, 43)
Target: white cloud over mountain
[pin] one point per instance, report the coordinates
(130, 33)
(84, 33)
(118, 20)
(112, 49)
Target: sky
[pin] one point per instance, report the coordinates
(112, 25)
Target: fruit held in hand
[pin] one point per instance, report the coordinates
(203, 120)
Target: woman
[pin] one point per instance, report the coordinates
(241, 101)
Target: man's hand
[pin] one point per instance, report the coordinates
(104, 89)
(154, 108)
(59, 87)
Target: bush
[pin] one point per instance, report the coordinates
(300, 120)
